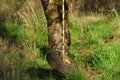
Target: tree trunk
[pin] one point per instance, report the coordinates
(53, 13)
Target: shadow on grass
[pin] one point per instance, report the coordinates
(44, 50)
(4, 33)
(3, 30)
(44, 74)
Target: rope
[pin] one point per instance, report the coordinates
(63, 27)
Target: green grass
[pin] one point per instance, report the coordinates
(89, 42)
(94, 47)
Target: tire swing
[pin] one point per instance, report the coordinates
(59, 60)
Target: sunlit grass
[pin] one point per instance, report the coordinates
(94, 46)
(89, 42)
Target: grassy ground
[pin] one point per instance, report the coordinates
(95, 43)
(24, 44)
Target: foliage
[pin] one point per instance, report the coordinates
(24, 44)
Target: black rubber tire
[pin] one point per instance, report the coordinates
(66, 66)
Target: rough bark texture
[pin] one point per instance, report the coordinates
(53, 13)
(55, 57)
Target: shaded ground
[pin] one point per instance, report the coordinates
(7, 72)
(42, 73)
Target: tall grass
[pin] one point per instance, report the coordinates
(23, 44)
(25, 39)
(95, 46)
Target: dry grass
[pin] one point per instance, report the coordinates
(30, 15)
(25, 46)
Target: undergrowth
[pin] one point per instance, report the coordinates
(24, 44)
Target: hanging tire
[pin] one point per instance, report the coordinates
(64, 65)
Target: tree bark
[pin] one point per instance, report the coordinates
(55, 57)
(53, 13)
